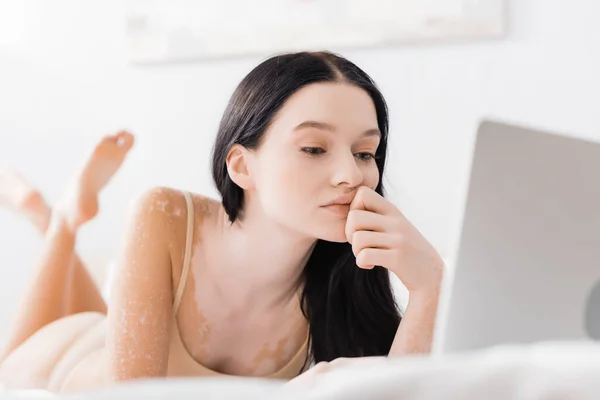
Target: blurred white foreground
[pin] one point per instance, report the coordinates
(534, 372)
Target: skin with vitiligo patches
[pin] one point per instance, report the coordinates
(208, 324)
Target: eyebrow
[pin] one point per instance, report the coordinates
(326, 127)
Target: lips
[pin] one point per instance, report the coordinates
(341, 205)
(344, 200)
(338, 209)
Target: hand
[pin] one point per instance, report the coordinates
(381, 235)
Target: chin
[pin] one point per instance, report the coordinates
(332, 233)
(334, 239)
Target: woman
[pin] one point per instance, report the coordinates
(290, 268)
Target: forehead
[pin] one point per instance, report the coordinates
(345, 106)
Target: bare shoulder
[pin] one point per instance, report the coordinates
(164, 211)
(167, 206)
(205, 207)
(205, 211)
(157, 199)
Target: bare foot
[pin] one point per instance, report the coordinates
(81, 203)
(18, 195)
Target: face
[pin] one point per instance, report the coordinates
(318, 150)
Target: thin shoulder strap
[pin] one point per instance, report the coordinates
(189, 237)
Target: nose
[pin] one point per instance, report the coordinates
(346, 172)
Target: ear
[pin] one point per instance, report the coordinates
(237, 166)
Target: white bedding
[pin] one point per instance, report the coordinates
(545, 371)
(541, 372)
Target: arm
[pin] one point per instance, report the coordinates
(381, 235)
(139, 312)
(415, 333)
(414, 336)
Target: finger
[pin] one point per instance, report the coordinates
(369, 200)
(376, 240)
(369, 257)
(361, 220)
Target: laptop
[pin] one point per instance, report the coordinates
(528, 263)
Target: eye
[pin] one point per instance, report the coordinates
(313, 151)
(365, 156)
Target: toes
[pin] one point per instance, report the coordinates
(124, 140)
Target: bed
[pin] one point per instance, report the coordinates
(564, 370)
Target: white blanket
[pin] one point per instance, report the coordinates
(541, 372)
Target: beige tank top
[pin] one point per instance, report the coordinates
(181, 363)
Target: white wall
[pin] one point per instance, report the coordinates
(65, 81)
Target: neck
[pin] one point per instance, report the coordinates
(261, 262)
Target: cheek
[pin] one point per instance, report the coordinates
(297, 182)
(371, 176)
(286, 185)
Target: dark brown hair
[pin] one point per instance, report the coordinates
(351, 311)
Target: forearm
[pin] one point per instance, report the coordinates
(415, 333)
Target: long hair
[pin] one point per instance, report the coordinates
(351, 311)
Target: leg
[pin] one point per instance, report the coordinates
(18, 195)
(61, 285)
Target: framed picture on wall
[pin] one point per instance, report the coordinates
(160, 31)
